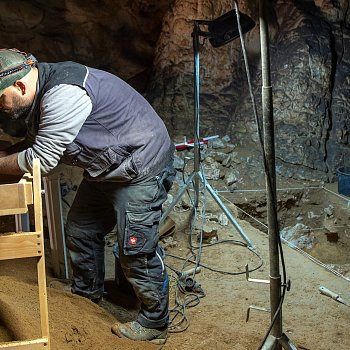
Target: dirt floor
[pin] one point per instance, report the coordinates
(218, 320)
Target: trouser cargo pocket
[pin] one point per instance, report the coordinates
(141, 231)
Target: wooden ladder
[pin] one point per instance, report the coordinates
(15, 199)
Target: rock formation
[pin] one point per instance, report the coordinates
(149, 44)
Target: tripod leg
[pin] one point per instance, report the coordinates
(226, 211)
(273, 343)
(177, 197)
(286, 343)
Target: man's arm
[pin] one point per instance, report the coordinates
(63, 111)
(9, 165)
(9, 159)
(17, 147)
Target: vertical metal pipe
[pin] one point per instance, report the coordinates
(269, 148)
(195, 36)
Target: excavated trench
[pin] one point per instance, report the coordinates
(313, 219)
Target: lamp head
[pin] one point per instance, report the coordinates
(224, 29)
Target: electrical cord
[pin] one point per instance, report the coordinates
(178, 320)
(187, 291)
(187, 294)
(185, 286)
(225, 272)
(198, 255)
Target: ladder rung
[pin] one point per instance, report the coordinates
(20, 245)
(36, 344)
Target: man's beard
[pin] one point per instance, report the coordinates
(20, 110)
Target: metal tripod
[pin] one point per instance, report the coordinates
(197, 176)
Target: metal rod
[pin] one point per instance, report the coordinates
(226, 211)
(286, 343)
(269, 149)
(196, 150)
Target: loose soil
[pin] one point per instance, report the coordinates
(311, 320)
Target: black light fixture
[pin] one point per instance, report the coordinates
(224, 29)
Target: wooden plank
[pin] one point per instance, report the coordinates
(13, 199)
(28, 192)
(27, 181)
(38, 218)
(36, 344)
(20, 245)
(44, 313)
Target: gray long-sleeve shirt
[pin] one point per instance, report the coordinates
(63, 109)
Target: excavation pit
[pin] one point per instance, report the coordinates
(315, 220)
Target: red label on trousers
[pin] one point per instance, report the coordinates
(132, 240)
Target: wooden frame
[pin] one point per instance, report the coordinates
(14, 199)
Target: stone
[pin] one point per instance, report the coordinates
(223, 219)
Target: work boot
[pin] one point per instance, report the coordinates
(134, 331)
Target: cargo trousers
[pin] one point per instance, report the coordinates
(135, 210)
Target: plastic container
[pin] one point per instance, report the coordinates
(344, 180)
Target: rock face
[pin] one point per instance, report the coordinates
(149, 44)
(118, 36)
(309, 58)
(311, 71)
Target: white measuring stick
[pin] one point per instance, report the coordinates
(332, 295)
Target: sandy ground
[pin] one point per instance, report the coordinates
(311, 320)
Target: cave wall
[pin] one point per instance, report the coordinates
(309, 54)
(118, 36)
(149, 44)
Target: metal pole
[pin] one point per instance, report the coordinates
(269, 149)
(196, 111)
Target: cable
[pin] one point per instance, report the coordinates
(186, 284)
(235, 273)
(195, 257)
(187, 294)
(178, 321)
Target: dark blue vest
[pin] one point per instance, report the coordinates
(123, 139)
